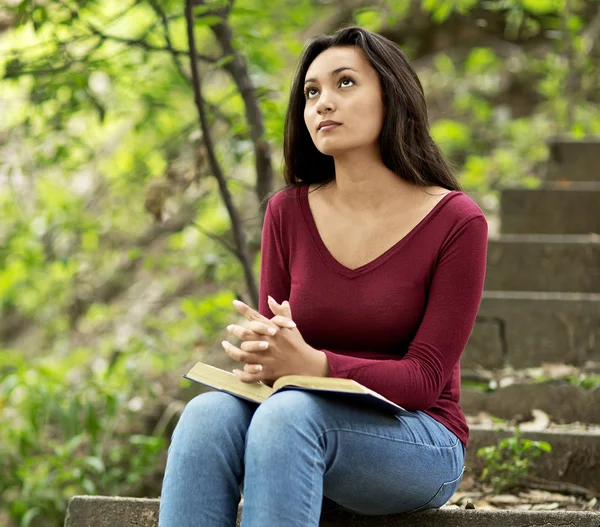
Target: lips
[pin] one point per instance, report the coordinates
(327, 125)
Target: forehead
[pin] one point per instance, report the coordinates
(333, 58)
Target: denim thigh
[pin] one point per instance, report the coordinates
(377, 463)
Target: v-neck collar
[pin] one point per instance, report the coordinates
(377, 261)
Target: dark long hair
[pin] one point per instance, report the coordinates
(406, 146)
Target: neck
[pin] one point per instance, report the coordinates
(364, 183)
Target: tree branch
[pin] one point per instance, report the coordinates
(236, 224)
(238, 70)
(165, 23)
(147, 46)
(217, 239)
(13, 324)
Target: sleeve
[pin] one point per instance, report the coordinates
(274, 273)
(417, 379)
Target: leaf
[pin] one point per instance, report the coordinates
(440, 9)
(368, 18)
(12, 68)
(74, 443)
(95, 463)
(544, 446)
(208, 20)
(223, 61)
(29, 516)
(89, 486)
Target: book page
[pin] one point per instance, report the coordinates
(329, 383)
(228, 382)
(322, 383)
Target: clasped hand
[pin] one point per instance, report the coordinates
(271, 348)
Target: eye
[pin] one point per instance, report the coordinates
(308, 94)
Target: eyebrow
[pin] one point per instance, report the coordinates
(333, 73)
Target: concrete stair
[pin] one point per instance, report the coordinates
(541, 301)
(99, 511)
(544, 262)
(556, 208)
(542, 305)
(573, 160)
(523, 329)
(561, 400)
(568, 461)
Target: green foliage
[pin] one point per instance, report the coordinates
(591, 382)
(100, 103)
(511, 459)
(482, 61)
(73, 430)
(481, 386)
(211, 313)
(452, 136)
(369, 18)
(441, 9)
(585, 381)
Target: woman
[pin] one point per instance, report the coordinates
(379, 260)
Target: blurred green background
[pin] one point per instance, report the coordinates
(130, 211)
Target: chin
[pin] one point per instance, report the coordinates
(336, 150)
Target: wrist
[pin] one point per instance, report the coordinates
(318, 363)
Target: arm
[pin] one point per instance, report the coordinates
(275, 280)
(275, 277)
(416, 380)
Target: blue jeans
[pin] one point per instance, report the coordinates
(293, 450)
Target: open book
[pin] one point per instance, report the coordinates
(257, 392)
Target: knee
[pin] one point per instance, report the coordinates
(210, 414)
(280, 415)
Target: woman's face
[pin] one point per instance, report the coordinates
(342, 86)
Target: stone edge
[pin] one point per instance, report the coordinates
(113, 511)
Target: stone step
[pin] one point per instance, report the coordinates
(573, 160)
(572, 208)
(553, 263)
(526, 329)
(564, 402)
(575, 456)
(101, 511)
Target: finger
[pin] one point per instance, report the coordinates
(253, 368)
(237, 354)
(287, 309)
(254, 346)
(248, 377)
(261, 329)
(273, 305)
(243, 333)
(249, 313)
(283, 322)
(283, 309)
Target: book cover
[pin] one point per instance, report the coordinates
(258, 392)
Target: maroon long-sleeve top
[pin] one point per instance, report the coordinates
(397, 324)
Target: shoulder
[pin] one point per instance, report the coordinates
(459, 220)
(284, 202)
(460, 209)
(462, 224)
(284, 205)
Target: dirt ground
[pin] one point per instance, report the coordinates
(552, 496)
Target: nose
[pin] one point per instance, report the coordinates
(325, 103)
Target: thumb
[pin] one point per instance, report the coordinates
(282, 309)
(276, 309)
